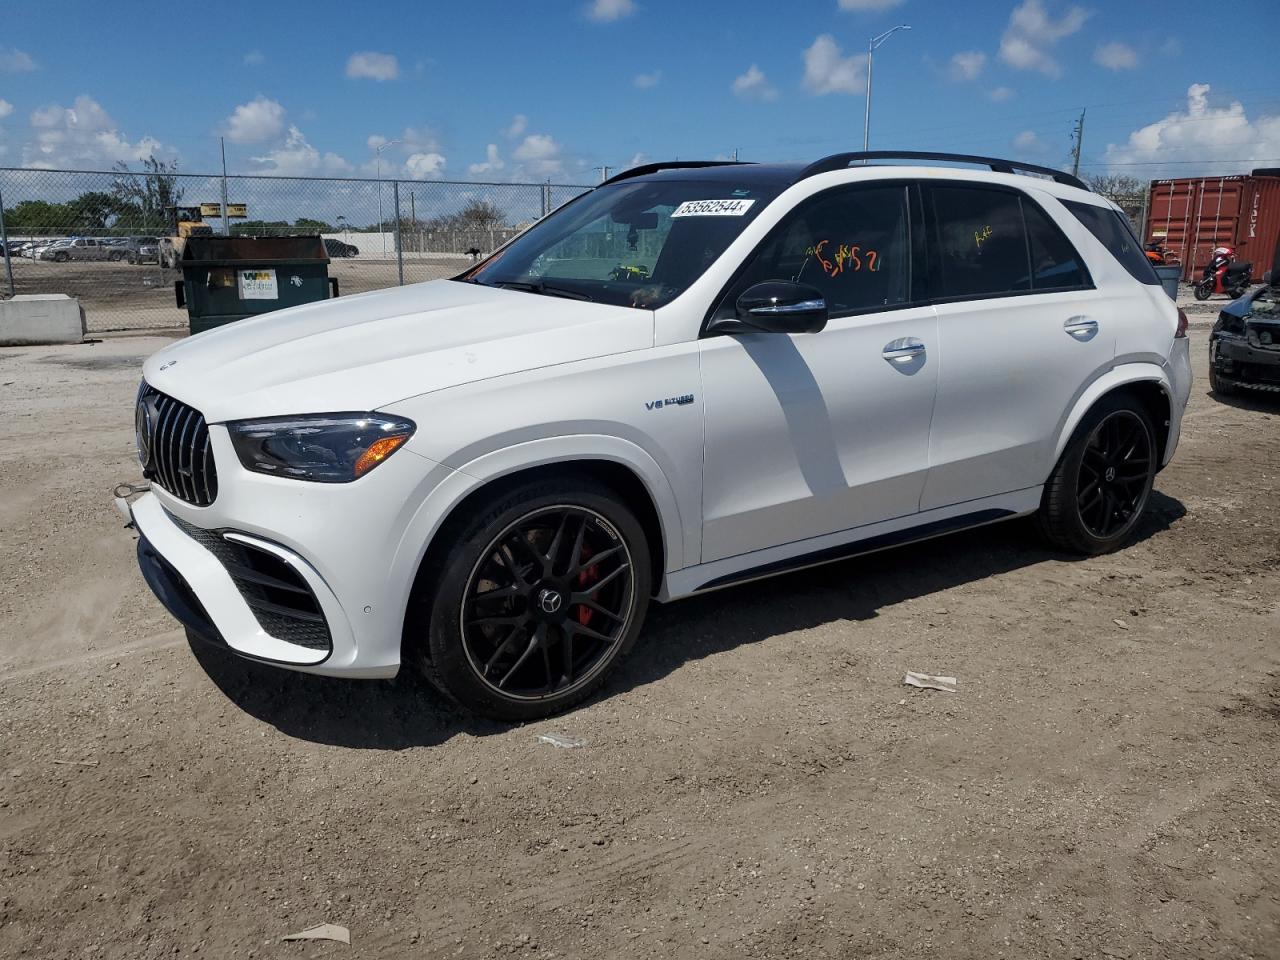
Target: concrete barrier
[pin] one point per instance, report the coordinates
(39, 318)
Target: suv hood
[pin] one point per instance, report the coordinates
(367, 351)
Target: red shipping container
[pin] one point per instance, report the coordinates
(1193, 215)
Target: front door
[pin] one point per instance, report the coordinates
(810, 434)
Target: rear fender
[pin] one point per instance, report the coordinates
(1113, 379)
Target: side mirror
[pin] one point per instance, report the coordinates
(779, 306)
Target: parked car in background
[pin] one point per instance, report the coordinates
(1244, 345)
(142, 250)
(336, 248)
(695, 375)
(81, 248)
(33, 248)
(55, 250)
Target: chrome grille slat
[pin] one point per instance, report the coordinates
(182, 460)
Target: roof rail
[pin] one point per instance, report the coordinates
(647, 168)
(838, 161)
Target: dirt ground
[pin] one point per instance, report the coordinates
(756, 781)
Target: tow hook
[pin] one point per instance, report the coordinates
(122, 497)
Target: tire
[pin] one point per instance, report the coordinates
(519, 560)
(116, 257)
(1203, 290)
(1101, 485)
(59, 258)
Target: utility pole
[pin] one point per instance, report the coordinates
(226, 218)
(604, 172)
(381, 232)
(872, 44)
(735, 154)
(1078, 136)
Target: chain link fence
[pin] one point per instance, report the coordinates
(104, 237)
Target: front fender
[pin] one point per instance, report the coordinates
(471, 476)
(1116, 377)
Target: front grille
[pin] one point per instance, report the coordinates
(279, 597)
(180, 456)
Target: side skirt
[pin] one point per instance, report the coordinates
(871, 538)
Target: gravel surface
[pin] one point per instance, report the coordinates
(756, 780)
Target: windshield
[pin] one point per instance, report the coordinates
(631, 244)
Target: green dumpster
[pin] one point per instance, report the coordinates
(230, 278)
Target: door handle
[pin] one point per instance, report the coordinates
(1081, 328)
(903, 350)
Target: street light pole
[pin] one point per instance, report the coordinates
(378, 150)
(872, 44)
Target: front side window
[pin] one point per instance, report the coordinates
(852, 244)
(635, 243)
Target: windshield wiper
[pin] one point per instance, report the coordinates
(540, 288)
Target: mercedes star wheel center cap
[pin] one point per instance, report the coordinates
(549, 600)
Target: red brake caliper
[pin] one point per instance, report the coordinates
(587, 576)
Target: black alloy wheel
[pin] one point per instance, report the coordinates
(1114, 477)
(549, 599)
(1100, 486)
(532, 597)
(1204, 289)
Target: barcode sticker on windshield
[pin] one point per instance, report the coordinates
(713, 208)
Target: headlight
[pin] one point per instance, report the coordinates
(326, 448)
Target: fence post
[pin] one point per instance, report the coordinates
(399, 245)
(4, 241)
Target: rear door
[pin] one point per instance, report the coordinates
(1021, 332)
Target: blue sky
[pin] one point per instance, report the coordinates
(487, 90)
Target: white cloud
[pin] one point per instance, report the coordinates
(754, 85)
(519, 124)
(644, 81)
(967, 64)
(491, 165)
(259, 119)
(606, 11)
(636, 160)
(369, 65)
(6, 108)
(826, 70)
(1031, 33)
(13, 60)
(298, 158)
(254, 58)
(375, 140)
(1116, 56)
(425, 166)
(1001, 94)
(1202, 133)
(863, 6)
(81, 136)
(1027, 140)
(539, 156)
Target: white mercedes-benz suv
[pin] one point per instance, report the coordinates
(694, 375)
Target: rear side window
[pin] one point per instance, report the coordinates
(994, 243)
(1055, 265)
(1114, 232)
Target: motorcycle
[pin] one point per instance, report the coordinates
(1224, 274)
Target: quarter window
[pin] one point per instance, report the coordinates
(1114, 232)
(853, 245)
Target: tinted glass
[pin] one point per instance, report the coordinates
(1114, 232)
(1055, 265)
(981, 242)
(853, 245)
(635, 243)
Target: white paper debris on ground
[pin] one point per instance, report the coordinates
(326, 931)
(927, 682)
(560, 740)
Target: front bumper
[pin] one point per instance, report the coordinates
(1243, 364)
(313, 577)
